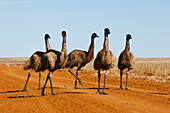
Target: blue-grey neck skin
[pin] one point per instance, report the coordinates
(127, 48)
(90, 54)
(47, 44)
(106, 42)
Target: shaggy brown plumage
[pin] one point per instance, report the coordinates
(34, 63)
(104, 61)
(79, 58)
(126, 61)
(53, 60)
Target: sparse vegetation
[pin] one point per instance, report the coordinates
(151, 69)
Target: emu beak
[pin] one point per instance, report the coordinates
(97, 36)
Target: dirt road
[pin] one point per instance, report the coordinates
(143, 96)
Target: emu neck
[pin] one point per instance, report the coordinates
(47, 45)
(90, 54)
(64, 47)
(127, 48)
(106, 43)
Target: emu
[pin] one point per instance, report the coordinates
(104, 61)
(126, 61)
(52, 61)
(79, 58)
(34, 63)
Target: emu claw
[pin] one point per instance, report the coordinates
(120, 88)
(103, 93)
(53, 94)
(24, 89)
(42, 94)
(75, 87)
(126, 88)
(98, 91)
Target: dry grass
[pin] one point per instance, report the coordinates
(11, 61)
(151, 69)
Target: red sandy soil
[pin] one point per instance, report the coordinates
(142, 96)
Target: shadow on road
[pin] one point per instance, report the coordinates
(73, 93)
(13, 91)
(158, 93)
(55, 87)
(92, 88)
(23, 96)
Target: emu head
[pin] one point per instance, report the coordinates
(128, 37)
(94, 35)
(63, 33)
(107, 31)
(47, 36)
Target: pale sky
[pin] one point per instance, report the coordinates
(23, 24)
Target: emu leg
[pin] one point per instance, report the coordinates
(40, 81)
(29, 74)
(121, 79)
(50, 76)
(99, 75)
(127, 74)
(42, 93)
(76, 77)
(75, 87)
(105, 77)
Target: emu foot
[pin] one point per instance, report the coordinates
(126, 88)
(75, 87)
(24, 89)
(39, 88)
(53, 94)
(120, 88)
(103, 93)
(42, 93)
(99, 91)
